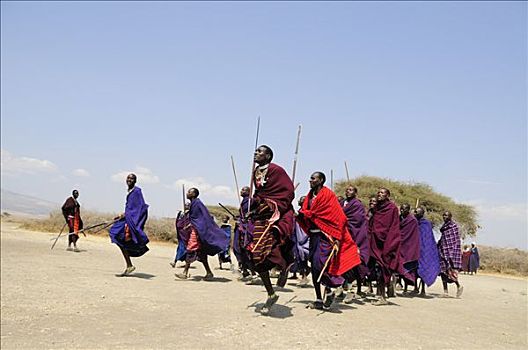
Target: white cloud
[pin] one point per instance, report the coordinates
(480, 182)
(209, 191)
(510, 211)
(12, 164)
(81, 173)
(144, 175)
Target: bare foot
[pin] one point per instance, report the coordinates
(266, 309)
(380, 302)
(182, 276)
(128, 271)
(459, 291)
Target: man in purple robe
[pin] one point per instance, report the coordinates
(183, 233)
(206, 237)
(410, 246)
(385, 241)
(429, 263)
(301, 251)
(474, 259)
(271, 215)
(225, 255)
(449, 249)
(128, 232)
(358, 228)
(242, 239)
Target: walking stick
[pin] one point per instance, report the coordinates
(236, 182)
(296, 154)
(60, 233)
(334, 249)
(228, 211)
(90, 227)
(253, 166)
(183, 194)
(105, 226)
(262, 236)
(346, 169)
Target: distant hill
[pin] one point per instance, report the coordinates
(16, 203)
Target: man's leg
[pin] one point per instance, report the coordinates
(444, 283)
(74, 241)
(129, 267)
(381, 290)
(185, 273)
(318, 304)
(205, 262)
(70, 241)
(272, 297)
(422, 293)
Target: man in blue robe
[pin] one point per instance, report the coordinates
(206, 237)
(225, 255)
(128, 232)
(429, 262)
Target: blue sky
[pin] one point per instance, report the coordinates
(414, 91)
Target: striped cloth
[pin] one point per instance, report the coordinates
(266, 215)
(449, 247)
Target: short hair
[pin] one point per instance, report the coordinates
(321, 175)
(75, 191)
(354, 188)
(386, 189)
(406, 205)
(195, 191)
(268, 151)
(132, 174)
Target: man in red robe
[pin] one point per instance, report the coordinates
(385, 240)
(71, 210)
(332, 250)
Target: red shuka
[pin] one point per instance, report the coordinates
(326, 213)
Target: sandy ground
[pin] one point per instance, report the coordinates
(60, 299)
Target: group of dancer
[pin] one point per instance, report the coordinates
(336, 242)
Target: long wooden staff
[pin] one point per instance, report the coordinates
(346, 169)
(60, 233)
(253, 166)
(183, 193)
(236, 182)
(261, 236)
(296, 154)
(334, 249)
(417, 202)
(93, 226)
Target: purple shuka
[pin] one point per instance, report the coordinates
(449, 247)
(474, 260)
(212, 237)
(410, 247)
(428, 264)
(301, 248)
(239, 231)
(320, 249)
(358, 226)
(128, 232)
(183, 232)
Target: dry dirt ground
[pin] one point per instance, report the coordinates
(59, 299)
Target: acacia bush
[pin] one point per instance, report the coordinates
(401, 192)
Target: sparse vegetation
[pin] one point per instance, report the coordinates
(161, 229)
(503, 260)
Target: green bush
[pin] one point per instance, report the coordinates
(434, 203)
